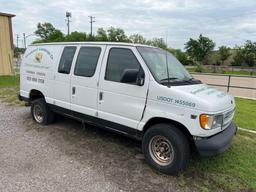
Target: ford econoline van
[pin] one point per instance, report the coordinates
(140, 91)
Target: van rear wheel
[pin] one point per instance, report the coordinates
(166, 148)
(41, 112)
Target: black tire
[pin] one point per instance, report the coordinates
(177, 143)
(47, 116)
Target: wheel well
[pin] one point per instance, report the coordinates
(35, 94)
(182, 128)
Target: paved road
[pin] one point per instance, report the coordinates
(67, 157)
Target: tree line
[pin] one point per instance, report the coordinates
(197, 51)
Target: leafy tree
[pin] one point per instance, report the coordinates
(157, 42)
(246, 54)
(56, 36)
(182, 56)
(200, 48)
(48, 33)
(101, 35)
(238, 57)
(249, 53)
(76, 36)
(224, 53)
(117, 35)
(18, 51)
(136, 38)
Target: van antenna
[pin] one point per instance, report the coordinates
(166, 59)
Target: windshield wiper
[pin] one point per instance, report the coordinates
(189, 80)
(166, 79)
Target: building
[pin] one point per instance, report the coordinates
(6, 44)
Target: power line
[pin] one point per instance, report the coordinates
(91, 21)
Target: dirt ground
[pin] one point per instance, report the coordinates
(66, 156)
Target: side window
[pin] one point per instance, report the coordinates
(122, 61)
(66, 60)
(87, 60)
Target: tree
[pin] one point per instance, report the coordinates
(56, 36)
(48, 33)
(249, 53)
(117, 34)
(157, 42)
(181, 56)
(76, 36)
(224, 53)
(199, 49)
(101, 35)
(136, 38)
(246, 54)
(238, 57)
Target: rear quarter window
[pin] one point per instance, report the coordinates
(87, 60)
(66, 59)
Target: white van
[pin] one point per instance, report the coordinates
(136, 90)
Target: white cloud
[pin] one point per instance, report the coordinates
(227, 22)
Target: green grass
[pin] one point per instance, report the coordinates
(9, 88)
(245, 115)
(9, 81)
(234, 169)
(238, 73)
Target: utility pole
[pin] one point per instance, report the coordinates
(17, 40)
(68, 16)
(24, 37)
(91, 21)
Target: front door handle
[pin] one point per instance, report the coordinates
(73, 90)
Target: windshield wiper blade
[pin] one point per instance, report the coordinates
(190, 79)
(166, 79)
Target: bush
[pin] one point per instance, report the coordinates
(199, 68)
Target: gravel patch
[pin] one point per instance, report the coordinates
(66, 156)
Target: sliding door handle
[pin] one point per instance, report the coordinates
(101, 96)
(73, 90)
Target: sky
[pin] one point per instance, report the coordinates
(226, 22)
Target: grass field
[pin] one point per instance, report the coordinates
(245, 115)
(9, 88)
(9, 81)
(233, 170)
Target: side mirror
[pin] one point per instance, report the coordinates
(129, 76)
(133, 76)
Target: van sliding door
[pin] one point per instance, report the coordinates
(84, 81)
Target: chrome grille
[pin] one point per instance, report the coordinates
(227, 118)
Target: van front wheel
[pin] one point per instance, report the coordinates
(41, 112)
(165, 148)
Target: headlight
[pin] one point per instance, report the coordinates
(211, 121)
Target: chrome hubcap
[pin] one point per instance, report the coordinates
(161, 150)
(38, 113)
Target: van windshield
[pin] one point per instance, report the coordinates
(156, 59)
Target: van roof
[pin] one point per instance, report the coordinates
(93, 43)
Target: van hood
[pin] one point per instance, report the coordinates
(207, 98)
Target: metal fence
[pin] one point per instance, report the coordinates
(238, 85)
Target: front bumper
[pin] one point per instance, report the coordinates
(217, 143)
